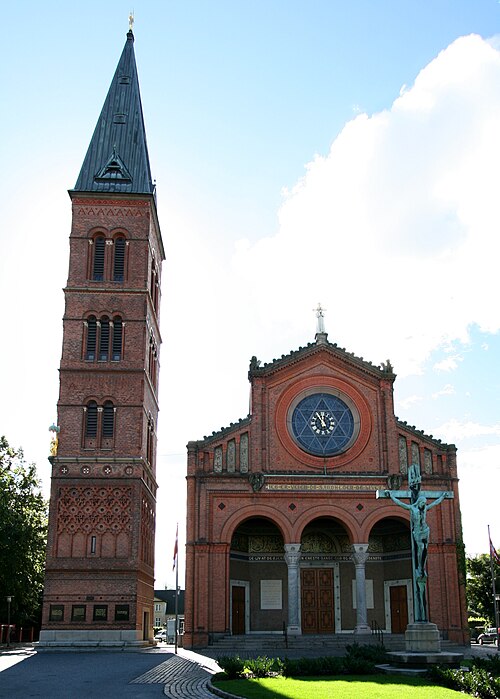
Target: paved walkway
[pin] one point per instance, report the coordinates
(184, 675)
(155, 672)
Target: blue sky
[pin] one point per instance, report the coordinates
(346, 150)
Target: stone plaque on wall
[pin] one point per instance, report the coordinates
(271, 596)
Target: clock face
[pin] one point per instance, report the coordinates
(323, 424)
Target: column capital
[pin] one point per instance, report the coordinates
(359, 553)
(292, 554)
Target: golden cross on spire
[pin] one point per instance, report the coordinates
(131, 20)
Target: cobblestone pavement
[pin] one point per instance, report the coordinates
(184, 675)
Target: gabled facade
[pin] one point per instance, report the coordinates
(100, 558)
(284, 528)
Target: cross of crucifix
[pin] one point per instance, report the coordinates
(420, 531)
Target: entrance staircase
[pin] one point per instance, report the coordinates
(253, 645)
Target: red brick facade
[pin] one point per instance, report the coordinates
(100, 556)
(276, 533)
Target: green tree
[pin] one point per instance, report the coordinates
(23, 537)
(479, 586)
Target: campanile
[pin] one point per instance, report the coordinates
(100, 557)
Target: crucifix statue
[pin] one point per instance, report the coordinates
(420, 530)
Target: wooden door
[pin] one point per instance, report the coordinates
(317, 600)
(399, 608)
(237, 610)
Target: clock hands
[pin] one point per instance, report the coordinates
(321, 418)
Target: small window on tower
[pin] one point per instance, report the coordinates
(91, 419)
(98, 267)
(117, 338)
(91, 339)
(108, 420)
(119, 260)
(104, 340)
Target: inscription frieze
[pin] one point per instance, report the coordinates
(322, 487)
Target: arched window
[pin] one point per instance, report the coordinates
(108, 420)
(154, 285)
(104, 339)
(98, 266)
(91, 344)
(91, 419)
(117, 339)
(150, 441)
(119, 260)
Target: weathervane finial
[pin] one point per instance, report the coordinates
(131, 21)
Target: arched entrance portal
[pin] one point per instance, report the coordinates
(258, 578)
(389, 575)
(324, 546)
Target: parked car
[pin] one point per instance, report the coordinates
(161, 635)
(488, 636)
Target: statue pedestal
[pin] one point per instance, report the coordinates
(423, 648)
(422, 637)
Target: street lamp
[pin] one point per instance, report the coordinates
(9, 600)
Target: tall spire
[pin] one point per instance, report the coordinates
(117, 159)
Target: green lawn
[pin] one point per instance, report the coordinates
(355, 687)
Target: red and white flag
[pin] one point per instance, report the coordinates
(176, 546)
(493, 553)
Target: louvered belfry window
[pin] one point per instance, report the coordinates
(119, 260)
(104, 340)
(91, 338)
(98, 269)
(117, 338)
(108, 420)
(91, 419)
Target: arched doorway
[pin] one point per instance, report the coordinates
(257, 578)
(389, 573)
(325, 548)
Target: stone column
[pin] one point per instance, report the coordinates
(360, 556)
(292, 559)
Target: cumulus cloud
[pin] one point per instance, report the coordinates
(455, 431)
(389, 228)
(447, 390)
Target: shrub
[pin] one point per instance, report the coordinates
(375, 654)
(232, 665)
(298, 667)
(261, 666)
(482, 680)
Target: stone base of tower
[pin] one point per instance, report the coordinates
(91, 639)
(97, 608)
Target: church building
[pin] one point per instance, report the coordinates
(284, 528)
(99, 584)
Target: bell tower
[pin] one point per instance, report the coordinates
(99, 583)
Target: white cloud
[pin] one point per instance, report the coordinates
(389, 229)
(447, 390)
(454, 431)
(448, 364)
(409, 401)
(479, 485)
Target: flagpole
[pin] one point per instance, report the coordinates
(495, 607)
(176, 561)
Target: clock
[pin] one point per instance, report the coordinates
(323, 423)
